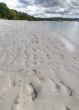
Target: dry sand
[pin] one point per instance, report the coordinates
(31, 53)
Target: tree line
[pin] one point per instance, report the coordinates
(11, 14)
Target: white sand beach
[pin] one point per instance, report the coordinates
(33, 59)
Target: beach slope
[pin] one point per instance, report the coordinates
(38, 70)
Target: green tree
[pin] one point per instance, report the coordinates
(4, 11)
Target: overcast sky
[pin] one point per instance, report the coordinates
(46, 8)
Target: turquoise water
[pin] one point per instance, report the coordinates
(69, 29)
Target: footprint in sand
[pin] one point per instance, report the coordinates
(55, 86)
(16, 102)
(35, 56)
(48, 56)
(65, 89)
(31, 91)
(60, 88)
(67, 108)
(36, 72)
(36, 38)
(36, 41)
(34, 49)
(27, 94)
(35, 62)
(41, 79)
(35, 59)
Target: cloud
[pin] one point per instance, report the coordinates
(49, 8)
(46, 8)
(15, 4)
(11, 3)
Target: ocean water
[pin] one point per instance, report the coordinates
(68, 33)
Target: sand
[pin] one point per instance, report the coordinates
(36, 64)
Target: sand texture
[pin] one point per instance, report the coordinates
(38, 70)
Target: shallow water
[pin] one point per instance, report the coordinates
(68, 33)
(69, 29)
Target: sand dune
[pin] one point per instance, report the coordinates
(37, 70)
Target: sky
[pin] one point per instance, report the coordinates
(46, 8)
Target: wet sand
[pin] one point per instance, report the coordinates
(33, 59)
